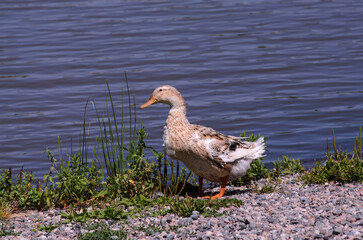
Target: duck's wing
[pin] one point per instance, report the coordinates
(227, 148)
(237, 138)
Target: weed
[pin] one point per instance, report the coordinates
(339, 167)
(285, 167)
(139, 178)
(116, 210)
(7, 230)
(252, 137)
(268, 187)
(109, 212)
(184, 207)
(100, 231)
(112, 139)
(6, 183)
(48, 228)
(139, 205)
(24, 193)
(151, 229)
(5, 209)
(77, 182)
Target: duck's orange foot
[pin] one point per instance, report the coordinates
(219, 195)
(221, 192)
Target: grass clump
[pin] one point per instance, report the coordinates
(5, 209)
(74, 182)
(141, 206)
(100, 231)
(184, 207)
(47, 228)
(24, 193)
(138, 176)
(7, 230)
(84, 215)
(339, 166)
(268, 187)
(286, 166)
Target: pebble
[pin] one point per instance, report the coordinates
(292, 211)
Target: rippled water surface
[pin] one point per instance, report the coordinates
(290, 70)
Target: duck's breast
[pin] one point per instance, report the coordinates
(168, 143)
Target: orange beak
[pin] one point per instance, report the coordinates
(151, 100)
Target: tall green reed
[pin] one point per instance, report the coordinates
(111, 140)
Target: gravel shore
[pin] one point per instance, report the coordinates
(292, 211)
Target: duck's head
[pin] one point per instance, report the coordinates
(166, 94)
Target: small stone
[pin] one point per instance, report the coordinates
(252, 225)
(294, 221)
(242, 226)
(170, 236)
(208, 234)
(186, 221)
(42, 237)
(337, 230)
(195, 213)
(115, 228)
(305, 200)
(271, 220)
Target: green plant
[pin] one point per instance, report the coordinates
(151, 229)
(5, 183)
(112, 139)
(128, 172)
(184, 207)
(48, 228)
(76, 181)
(137, 179)
(7, 230)
(268, 187)
(340, 166)
(24, 193)
(285, 167)
(252, 137)
(102, 231)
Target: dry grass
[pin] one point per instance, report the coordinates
(5, 210)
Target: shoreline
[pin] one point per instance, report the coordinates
(292, 211)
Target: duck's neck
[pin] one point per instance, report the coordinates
(178, 111)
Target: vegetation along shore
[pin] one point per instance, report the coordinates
(108, 190)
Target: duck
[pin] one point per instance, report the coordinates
(211, 155)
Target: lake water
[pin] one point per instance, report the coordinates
(290, 70)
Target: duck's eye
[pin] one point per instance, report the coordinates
(161, 90)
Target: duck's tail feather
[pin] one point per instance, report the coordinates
(248, 151)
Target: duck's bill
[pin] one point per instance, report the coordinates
(148, 102)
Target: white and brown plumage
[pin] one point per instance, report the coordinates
(210, 154)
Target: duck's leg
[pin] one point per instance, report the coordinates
(200, 191)
(222, 191)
